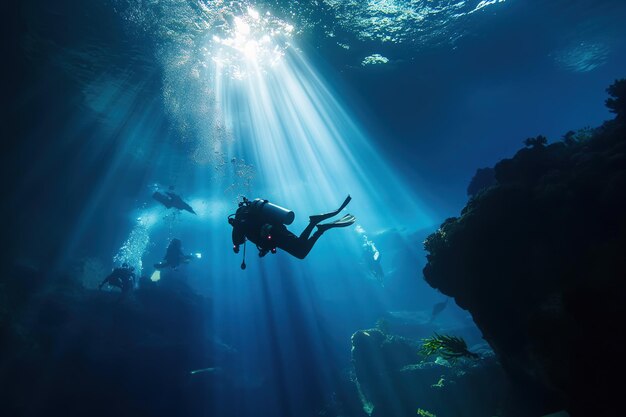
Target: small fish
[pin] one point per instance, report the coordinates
(199, 371)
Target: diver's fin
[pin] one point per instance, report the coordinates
(320, 217)
(188, 208)
(345, 221)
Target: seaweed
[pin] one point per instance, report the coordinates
(449, 347)
(423, 413)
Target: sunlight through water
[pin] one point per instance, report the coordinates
(239, 90)
(306, 148)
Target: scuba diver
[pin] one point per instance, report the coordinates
(174, 256)
(122, 278)
(263, 224)
(437, 309)
(171, 199)
(371, 256)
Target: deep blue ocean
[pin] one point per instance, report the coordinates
(396, 103)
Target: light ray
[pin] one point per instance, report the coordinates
(309, 154)
(307, 149)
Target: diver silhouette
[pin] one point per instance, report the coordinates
(171, 199)
(263, 224)
(371, 255)
(122, 278)
(174, 256)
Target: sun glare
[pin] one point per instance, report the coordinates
(251, 39)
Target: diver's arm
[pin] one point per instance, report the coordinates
(238, 238)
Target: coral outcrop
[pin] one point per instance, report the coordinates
(539, 261)
(394, 380)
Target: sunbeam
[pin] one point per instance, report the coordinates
(309, 152)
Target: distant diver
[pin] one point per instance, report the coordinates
(174, 256)
(263, 224)
(437, 309)
(122, 278)
(171, 199)
(372, 259)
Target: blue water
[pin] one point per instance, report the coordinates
(396, 103)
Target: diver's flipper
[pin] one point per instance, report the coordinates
(320, 217)
(188, 208)
(345, 221)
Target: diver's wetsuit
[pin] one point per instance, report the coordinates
(277, 236)
(298, 246)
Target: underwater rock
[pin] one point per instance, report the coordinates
(617, 102)
(484, 178)
(394, 380)
(538, 260)
(75, 352)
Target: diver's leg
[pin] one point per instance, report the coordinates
(300, 248)
(307, 231)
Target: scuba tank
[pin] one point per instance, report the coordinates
(271, 213)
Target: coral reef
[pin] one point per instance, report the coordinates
(537, 142)
(394, 380)
(484, 178)
(538, 260)
(617, 102)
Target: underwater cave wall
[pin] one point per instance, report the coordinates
(538, 260)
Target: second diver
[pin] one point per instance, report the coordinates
(174, 256)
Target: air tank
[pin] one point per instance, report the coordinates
(272, 212)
